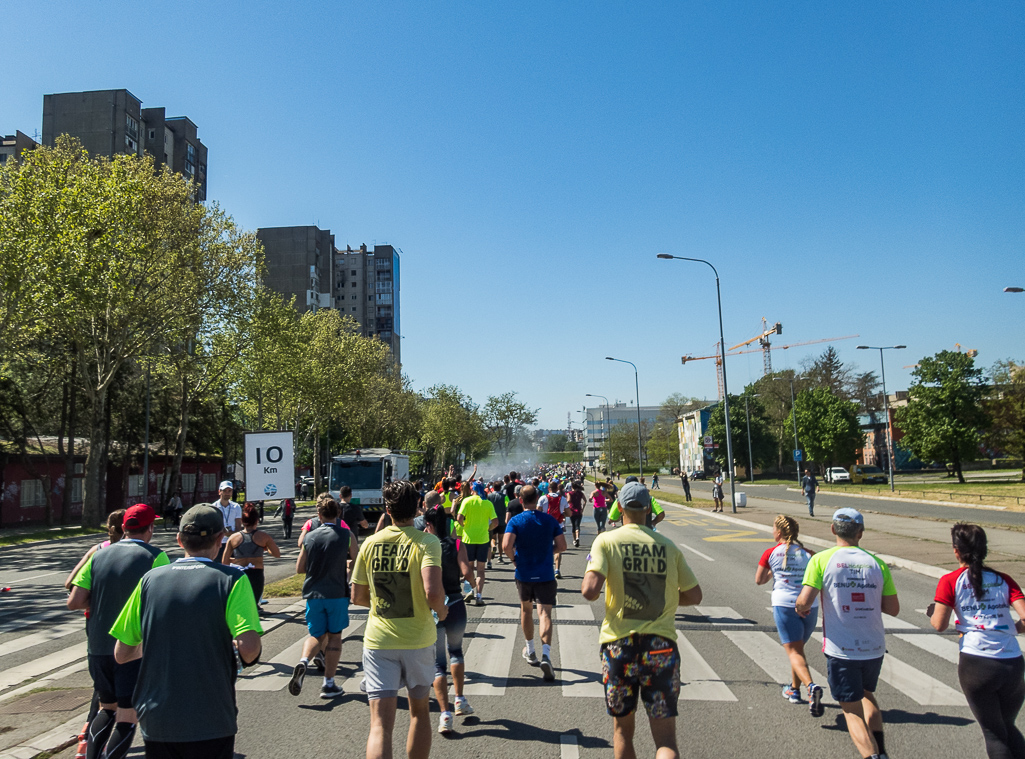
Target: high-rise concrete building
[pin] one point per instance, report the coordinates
(113, 122)
(366, 287)
(13, 145)
(299, 263)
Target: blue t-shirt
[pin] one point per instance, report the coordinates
(542, 488)
(535, 545)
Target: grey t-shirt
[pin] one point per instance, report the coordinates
(327, 551)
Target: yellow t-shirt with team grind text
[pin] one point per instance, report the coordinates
(644, 575)
(389, 562)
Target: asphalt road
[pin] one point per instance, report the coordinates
(731, 705)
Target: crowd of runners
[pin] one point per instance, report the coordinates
(155, 626)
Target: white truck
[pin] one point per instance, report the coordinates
(366, 471)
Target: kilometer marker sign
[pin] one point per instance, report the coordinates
(270, 465)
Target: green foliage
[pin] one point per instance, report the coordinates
(827, 427)
(1006, 408)
(507, 419)
(763, 444)
(944, 415)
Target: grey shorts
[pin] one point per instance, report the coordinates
(388, 670)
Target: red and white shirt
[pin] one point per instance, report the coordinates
(786, 582)
(986, 625)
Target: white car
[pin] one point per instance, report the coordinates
(837, 474)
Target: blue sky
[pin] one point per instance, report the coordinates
(849, 168)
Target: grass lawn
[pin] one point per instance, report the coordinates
(290, 586)
(41, 535)
(987, 493)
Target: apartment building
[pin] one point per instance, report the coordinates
(299, 263)
(366, 287)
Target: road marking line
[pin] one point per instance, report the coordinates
(33, 577)
(723, 615)
(895, 623)
(488, 658)
(580, 662)
(698, 681)
(44, 635)
(945, 648)
(569, 748)
(704, 556)
(23, 623)
(735, 536)
(574, 612)
(767, 654)
(36, 667)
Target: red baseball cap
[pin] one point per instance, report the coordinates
(139, 517)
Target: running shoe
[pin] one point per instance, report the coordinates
(489, 565)
(318, 661)
(576, 543)
(558, 575)
(295, 685)
(547, 669)
(479, 601)
(793, 695)
(463, 708)
(330, 691)
(815, 700)
(531, 658)
(445, 723)
(468, 598)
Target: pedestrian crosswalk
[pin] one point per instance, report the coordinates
(493, 658)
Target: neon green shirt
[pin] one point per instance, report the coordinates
(615, 514)
(477, 514)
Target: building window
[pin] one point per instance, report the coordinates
(354, 272)
(190, 160)
(210, 483)
(370, 298)
(134, 485)
(353, 284)
(76, 490)
(354, 308)
(33, 493)
(188, 482)
(354, 298)
(152, 134)
(131, 127)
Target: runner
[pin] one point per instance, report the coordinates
(477, 517)
(230, 511)
(245, 549)
(351, 513)
(515, 507)
(857, 590)
(398, 575)
(601, 509)
(184, 616)
(500, 501)
(575, 500)
(449, 643)
(103, 586)
(324, 560)
(784, 564)
(556, 506)
(990, 667)
(531, 539)
(646, 578)
(655, 514)
(314, 522)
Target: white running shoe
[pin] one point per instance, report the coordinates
(445, 723)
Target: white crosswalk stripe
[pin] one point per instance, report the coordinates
(488, 656)
(699, 682)
(42, 636)
(723, 615)
(768, 654)
(943, 647)
(579, 661)
(275, 673)
(36, 667)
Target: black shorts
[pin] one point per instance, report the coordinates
(477, 552)
(215, 748)
(641, 665)
(542, 592)
(114, 683)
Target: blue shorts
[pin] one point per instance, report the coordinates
(326, 615)
(792, 627)
(850, 678)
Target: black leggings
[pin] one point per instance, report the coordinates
(256, 580)
(574, 521)
(995, 690)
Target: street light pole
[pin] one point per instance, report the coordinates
(886, 403)
(793, 413)
(725, 387)
(637, 389)
(606, 440)
(750, 455)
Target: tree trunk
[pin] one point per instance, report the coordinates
(95, 479)
(179, 443)
(69, 419)
(316, 461)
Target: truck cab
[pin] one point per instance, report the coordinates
(366, 471)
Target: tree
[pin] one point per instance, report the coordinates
(945, 412)
(774, 395)
(828, 371)
(662, 446)
(763, 444)
(1006, 408)
(556, 442)
(827, 426)
(507, 420)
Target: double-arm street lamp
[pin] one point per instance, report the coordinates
(725, 387)
(886, 403)
(637, 388)
(605, 418)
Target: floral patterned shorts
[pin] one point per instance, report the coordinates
(641, 665)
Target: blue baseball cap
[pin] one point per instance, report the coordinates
(848, 515)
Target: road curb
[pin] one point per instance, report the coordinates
(917, 567)
(57, 739)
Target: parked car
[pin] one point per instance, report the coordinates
(869, 475)
(697, 474)
(837, 474)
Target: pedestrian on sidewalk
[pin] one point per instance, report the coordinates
(324, 558)
(849, 577)
(809, 486)
(646, 578)
(286, 510)
(190, 618)
(103, 586)
(685, 481)
(654, 482)
(532, 539)
(398, 575)
(991, 669)
(718, 497)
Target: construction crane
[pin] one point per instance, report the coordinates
(718, 357)
(763, 340)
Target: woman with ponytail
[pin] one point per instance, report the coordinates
(785, 563)
(991, 669)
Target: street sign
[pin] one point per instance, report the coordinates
(797, 455)
(270, 465)
(708, 440)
